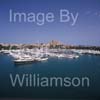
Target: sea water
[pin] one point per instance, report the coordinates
(84, 66)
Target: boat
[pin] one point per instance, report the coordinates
(61, 55)
(44, 58)
(5, 51)
(72, 56)
(23, 60)
(41, 59)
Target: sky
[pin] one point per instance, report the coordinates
(86, 30)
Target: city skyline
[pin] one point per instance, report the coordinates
(86, 30)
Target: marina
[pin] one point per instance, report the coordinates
(29, 56)
(38, 55)
(51, 66)
(45, 69)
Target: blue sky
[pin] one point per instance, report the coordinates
(86, 31)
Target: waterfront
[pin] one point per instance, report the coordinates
(85, 65)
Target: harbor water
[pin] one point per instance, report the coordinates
(84, 66)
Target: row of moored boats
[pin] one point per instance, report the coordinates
(36, 55)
